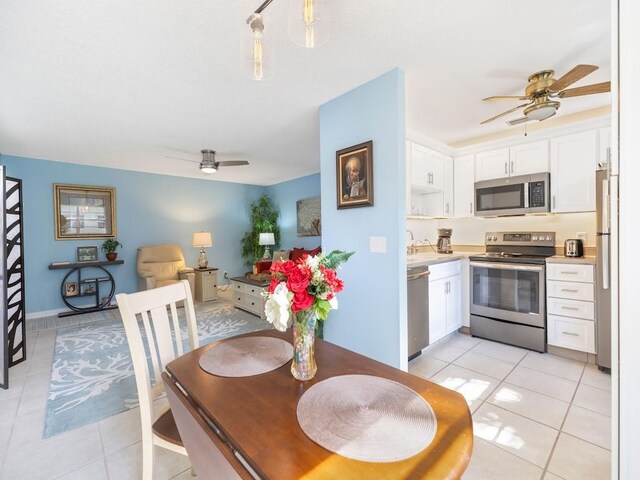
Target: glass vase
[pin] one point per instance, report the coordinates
(304, 365)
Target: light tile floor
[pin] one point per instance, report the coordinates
(535, 416)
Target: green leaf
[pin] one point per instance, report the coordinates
(335, 258)
(322, 308)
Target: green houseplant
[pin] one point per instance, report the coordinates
(264, 219)
(109, 247)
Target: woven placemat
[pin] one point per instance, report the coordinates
(367, 418)
(246, 356)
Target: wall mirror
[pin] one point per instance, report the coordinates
(84, 211)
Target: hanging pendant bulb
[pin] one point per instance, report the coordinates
(257, 54)
(309, 22)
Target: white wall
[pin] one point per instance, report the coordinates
(470, 231)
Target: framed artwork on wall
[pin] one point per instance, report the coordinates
(87, 254)
(84, 212)
(71, 289)
(309, 217)
(354, 176)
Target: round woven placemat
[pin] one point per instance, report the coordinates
(246, 356)
(367, 418)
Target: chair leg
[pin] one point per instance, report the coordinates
(147, 460)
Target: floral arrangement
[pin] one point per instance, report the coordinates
(302, 288)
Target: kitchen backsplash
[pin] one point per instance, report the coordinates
(470, 231)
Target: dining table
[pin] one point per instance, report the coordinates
(253, 422)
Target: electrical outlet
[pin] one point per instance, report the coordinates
(226, 275)
(582, 236)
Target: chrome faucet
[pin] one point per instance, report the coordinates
(411, 249)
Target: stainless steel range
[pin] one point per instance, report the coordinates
(508, 288)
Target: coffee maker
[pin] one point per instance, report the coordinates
(444, 240)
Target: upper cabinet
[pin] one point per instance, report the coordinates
(431, 182)
(604, 150)
(463, 186)
(517, 160)
(574, 160)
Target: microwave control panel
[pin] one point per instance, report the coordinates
(537, 197)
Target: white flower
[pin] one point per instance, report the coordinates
(334, 303)
(313, 262)
(276, 308)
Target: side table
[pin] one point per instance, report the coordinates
(206, 284)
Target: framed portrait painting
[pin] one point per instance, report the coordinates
(354, 176)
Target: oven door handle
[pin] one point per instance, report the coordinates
(508, 266)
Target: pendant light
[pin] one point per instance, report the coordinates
(257, 50)
(309, 23)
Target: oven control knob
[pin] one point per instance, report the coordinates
(535, 238)
(494, 238)
(488, 238)
(547, 238)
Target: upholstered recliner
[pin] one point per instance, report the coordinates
(160, 265)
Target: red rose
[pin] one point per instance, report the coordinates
(301, 301)
(298, 280)
(274, 283)
(287, 267)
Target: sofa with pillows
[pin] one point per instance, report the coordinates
(282, 255)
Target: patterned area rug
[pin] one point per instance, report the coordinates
(92, 376)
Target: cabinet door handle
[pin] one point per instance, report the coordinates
(554, 202)
(470, 207)
(570, 333)
(569, 308)
(568, 290)
(506, 169)
(569, 273)
(511, 166)
(446, 208)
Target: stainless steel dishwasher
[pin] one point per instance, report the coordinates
(417, 309)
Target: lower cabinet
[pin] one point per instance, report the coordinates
(247, 296)
(570, 306)
(445, 299)
(206, 284)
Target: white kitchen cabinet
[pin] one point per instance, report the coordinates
(445, 299)
(448, 186)
(427, 169)
(430, 175)
(525, 159)
(570, 306)
(492, 164)
(573, 172)
(463, 177)
(604, 147)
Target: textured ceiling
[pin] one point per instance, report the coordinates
(127, 83)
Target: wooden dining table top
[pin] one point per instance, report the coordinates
(257, 416)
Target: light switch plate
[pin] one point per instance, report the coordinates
(378, 244)
(582, 236)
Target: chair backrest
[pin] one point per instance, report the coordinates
(160, 261)
(204, 448)
(155, 338)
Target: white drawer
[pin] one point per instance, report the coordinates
(571, 290)
(442, 270)
(253, 304)
(253, 290)
(239, 299)
(570, 308)
(237, 286)
(570, 272)
(571, 333)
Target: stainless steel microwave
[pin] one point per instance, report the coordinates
(513, 196)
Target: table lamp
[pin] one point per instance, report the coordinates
(266, 239)
(202, 240)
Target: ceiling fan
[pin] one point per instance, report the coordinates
(209, 165)
(543, 88)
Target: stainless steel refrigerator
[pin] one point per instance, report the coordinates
(603, 271)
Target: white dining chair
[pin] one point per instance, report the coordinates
(153, 332)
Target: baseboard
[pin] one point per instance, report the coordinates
(51, 313)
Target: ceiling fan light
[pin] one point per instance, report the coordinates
(541, 111)
(208, 168)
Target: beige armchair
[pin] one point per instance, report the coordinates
(160, 265)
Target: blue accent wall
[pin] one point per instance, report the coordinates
(151, 210)
(371, 318)
(286, 196)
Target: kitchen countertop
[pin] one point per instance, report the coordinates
(578, 260)
(425, 259)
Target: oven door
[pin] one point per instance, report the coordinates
(510, 292)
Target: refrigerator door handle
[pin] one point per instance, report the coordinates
(604, 228)
(604, 258)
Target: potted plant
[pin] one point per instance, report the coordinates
(109, 247)
(264, 219)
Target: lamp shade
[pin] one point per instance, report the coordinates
(202, 239)
(266, 239)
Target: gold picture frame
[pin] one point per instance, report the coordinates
(83, 212)
(354, 176)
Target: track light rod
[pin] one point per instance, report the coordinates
(264, 5)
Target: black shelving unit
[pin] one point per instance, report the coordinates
(94, 283)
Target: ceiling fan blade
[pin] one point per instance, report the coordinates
(572, 76)
(586, 90)
(501, 98)
(182, 159)
(518, 121)
(504, 113)
(232, 163)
